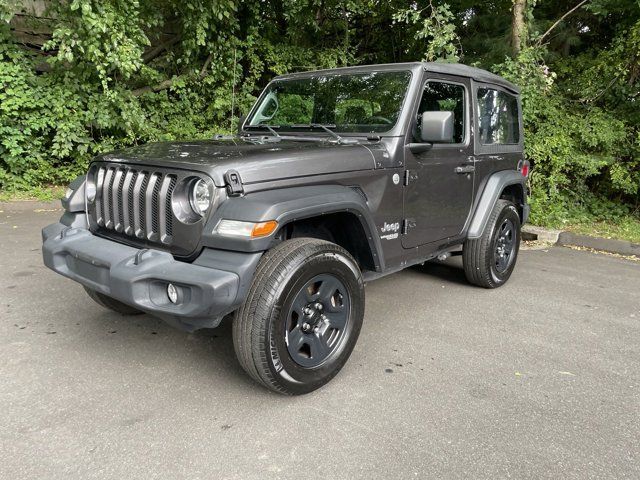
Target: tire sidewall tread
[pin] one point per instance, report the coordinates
(478, 253)
(260, 314)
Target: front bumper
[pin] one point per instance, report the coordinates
(212, 286)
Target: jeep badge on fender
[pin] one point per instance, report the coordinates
(336, 177)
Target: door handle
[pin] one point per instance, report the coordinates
(465, 169)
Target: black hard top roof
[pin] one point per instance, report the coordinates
(446, 68)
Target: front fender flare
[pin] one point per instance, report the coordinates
(493, 189)
(287, 205)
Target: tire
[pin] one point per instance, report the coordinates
(111, 303)
(282, 338)
(483, 263)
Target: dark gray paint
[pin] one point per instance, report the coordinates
(288, 205)
(493, 188)
(75, 203)
(257, 159)
(217, 284)
(439, 199)
(299, 176)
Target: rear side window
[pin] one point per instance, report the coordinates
(498, 117)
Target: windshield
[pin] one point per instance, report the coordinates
(358, 103)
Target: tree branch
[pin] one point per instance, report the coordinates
(154, 88)
(539, 42)
(518, 26)
(157, 51)
(164, 85)
(203, 72)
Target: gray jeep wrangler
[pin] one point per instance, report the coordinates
(335, 178)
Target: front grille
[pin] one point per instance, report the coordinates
(136, 203)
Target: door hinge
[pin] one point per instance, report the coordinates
(407, 224)
(409, 177)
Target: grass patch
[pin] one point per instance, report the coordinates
(43, 194)
(625, 229)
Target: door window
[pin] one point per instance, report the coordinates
(445, 97)
(497, 117)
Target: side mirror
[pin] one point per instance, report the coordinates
(437, 127)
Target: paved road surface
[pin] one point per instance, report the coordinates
(539, 379)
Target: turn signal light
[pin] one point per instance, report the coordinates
(263, 229)
(524, 169)
(237, 228)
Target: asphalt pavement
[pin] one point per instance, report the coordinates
(538, 379)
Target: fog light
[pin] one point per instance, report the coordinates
(172, 293)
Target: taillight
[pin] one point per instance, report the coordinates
(524, 168)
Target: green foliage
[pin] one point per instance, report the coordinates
(115, 73)
(435, 30)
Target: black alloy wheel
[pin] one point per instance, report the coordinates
(490, 259)
(505, 238)
(317, 320)
(302, 316)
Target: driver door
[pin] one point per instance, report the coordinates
(439, 194)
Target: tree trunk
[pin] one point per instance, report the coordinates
(518, 26)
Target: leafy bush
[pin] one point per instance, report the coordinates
(114, 73)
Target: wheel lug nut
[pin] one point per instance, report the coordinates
(318, 306)
(306, 327)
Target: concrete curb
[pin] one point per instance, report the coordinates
(557, 237)
(622, 247)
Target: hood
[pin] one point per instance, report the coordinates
(255, 160)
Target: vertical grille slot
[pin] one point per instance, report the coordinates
(168, 213)
(142, 199)
(155, 225)
(108, 186)
(125, 202)
(116, 198)
(99, 197)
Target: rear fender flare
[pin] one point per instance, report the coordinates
(493, 189)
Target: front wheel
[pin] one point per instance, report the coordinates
(489, 260)
(302, 316)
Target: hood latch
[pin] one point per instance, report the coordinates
(234, 183)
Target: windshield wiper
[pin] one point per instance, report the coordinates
(271, 128)
(326, 128)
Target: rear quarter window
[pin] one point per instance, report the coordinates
(498, 117)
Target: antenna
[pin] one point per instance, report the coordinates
(233, 89)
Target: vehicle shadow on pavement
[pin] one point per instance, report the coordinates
(449, 270)
(205, 355)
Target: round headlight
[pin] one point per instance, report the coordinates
(200, 197)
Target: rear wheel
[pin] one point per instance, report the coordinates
(302, 316)
(489, 260)
(111, 303)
